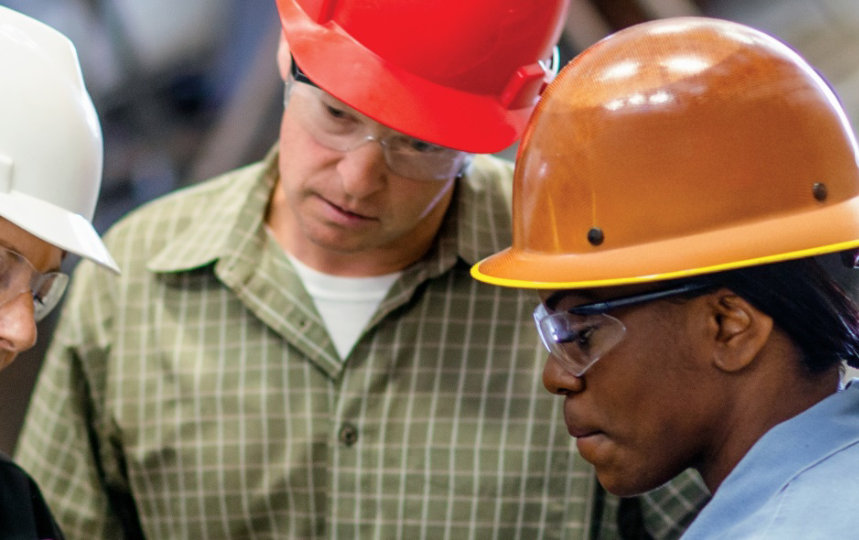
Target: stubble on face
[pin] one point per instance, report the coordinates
(314, 218)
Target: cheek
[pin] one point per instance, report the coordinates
(633, 473)
(648, 441)
(422, 198)
(647, 400)
(299, 152)
(289, 159)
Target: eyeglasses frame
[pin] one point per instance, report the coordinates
(299, 76)
(41, 306)
(604, 306)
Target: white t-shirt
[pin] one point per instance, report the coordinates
(345, 303)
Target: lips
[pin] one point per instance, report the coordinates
(576, 426)
(349, 212)
(352, 214)
(580, 432)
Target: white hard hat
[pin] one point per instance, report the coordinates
(50, 139)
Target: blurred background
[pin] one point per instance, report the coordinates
(188, 89)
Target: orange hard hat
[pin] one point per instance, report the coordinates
(465, 75)
(674, 148)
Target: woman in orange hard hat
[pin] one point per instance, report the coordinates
(675, 192)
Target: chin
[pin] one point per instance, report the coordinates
(627, 484)
(620, 489)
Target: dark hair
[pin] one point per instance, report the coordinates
(807, 303)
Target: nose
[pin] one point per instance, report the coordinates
(17, 324)
(363, 170)
(558, 380)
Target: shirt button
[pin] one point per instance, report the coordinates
(348, 434)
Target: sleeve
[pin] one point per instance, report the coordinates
(67, 442)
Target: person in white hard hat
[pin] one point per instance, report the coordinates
(50, 174)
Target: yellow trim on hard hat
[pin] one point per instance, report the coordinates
(664, 276)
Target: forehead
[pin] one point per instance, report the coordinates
(568, 298)
(315, 91)
(321, 98)
(42, 255)
(554, 298)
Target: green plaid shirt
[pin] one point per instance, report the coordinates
(202, 385)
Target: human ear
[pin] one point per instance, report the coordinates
(741, 331)
(284, 60)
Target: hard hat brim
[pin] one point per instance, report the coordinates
(817, 232)
(396, 98)
(69, 231)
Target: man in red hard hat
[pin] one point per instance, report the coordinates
(296, 349)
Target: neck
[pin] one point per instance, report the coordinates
(776, 390)
(352, 264)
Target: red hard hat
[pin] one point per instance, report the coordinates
(462, 74)
(675, 148)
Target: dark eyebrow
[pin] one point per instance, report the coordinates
(552, 301)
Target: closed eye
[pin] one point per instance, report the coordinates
(334, 112)
(580, 337)
(423, 147)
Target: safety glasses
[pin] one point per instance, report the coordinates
(338, 127)
(17, 276)
(580, 336)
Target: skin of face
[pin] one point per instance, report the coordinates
(650, 407)
(17, 325)
(346, 213)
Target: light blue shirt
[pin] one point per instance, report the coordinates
(800, 480)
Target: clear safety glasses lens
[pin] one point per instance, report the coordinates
(17, 276)
(577, 341)
(338, 127)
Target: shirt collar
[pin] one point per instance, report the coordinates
(784, 452)
(479, 222)
(234, 223)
